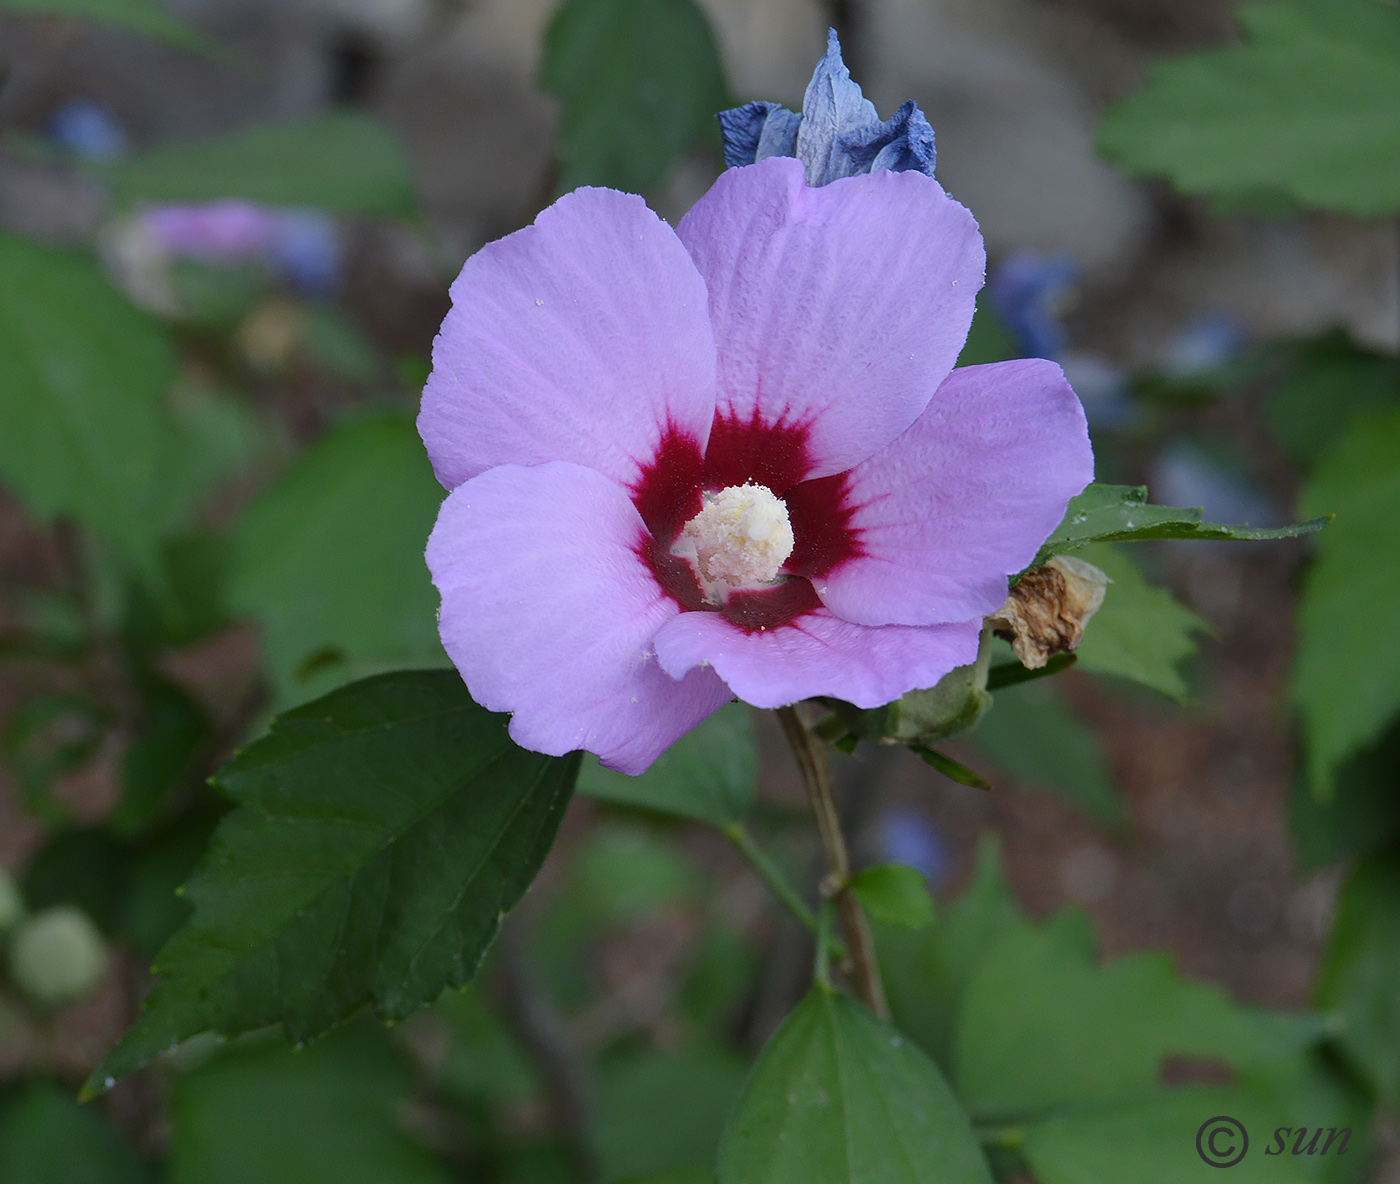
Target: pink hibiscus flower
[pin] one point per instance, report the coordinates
(730, 459)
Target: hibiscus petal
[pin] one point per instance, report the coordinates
(816, 654)
(549, 613)
(579, 338)
(837, 309)
(963, 499)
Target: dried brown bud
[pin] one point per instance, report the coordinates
(1048, 609)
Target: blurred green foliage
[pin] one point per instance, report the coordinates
(1307, 106)
(147, 17)
(329, 560)
(345, 161)
(639, 83)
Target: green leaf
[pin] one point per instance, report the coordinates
(344, 162)
(926, 973)
(1308, 105)
(82, 867)
(329, 561)
(47, 1138)
(1362, 815)
(953, 770)
(710, 774)
(1316, 1088)
(1326, 381)
(639, 82)
(1152, 1140)
(162, 757)
(1041, 1027)
(327, 1115)
(382, 833)
(46, 737)
(1141, 632)
(625, 871)
(1120, 513)
(896, 894)
(839, 1096)
(141, 16)
(1033, 736)
(85, 372)
(1361, 969)
(216, 437)
(1346, 680)
(152, 906)
(660, 1112)
(485, 1061)
(1009, 674)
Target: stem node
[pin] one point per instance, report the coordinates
(835, 885)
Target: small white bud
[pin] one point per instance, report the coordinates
(57, 955)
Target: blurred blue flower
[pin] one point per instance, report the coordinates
(1205, 343)
(838, 134)
(1028, 290)
(1102, 387)
(905, 836)
(308, 252)
(88, 130)
(1185, 475)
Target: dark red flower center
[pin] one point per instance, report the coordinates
(670, 492)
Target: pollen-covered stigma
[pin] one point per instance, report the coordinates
(741, 539)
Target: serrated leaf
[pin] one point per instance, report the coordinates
(1346, 678)
(1361, 969)
(344, 162)
(840, 1096)
(639, 82)
(896, 894)
(329, 560)
(1152, 1140)
(926, 973)
(1042, 1028)
(710, 774)
(141, 16)
(327, 1115)
(1121, 513)
(1033, 736)
(1308, 105)
(382, 833)
(86, 431)
(1141, 632)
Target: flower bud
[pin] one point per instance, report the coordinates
(1048, 609)
(57, 955)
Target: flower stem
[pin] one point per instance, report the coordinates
(821, 970)
(739, 835)
(836, 884)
